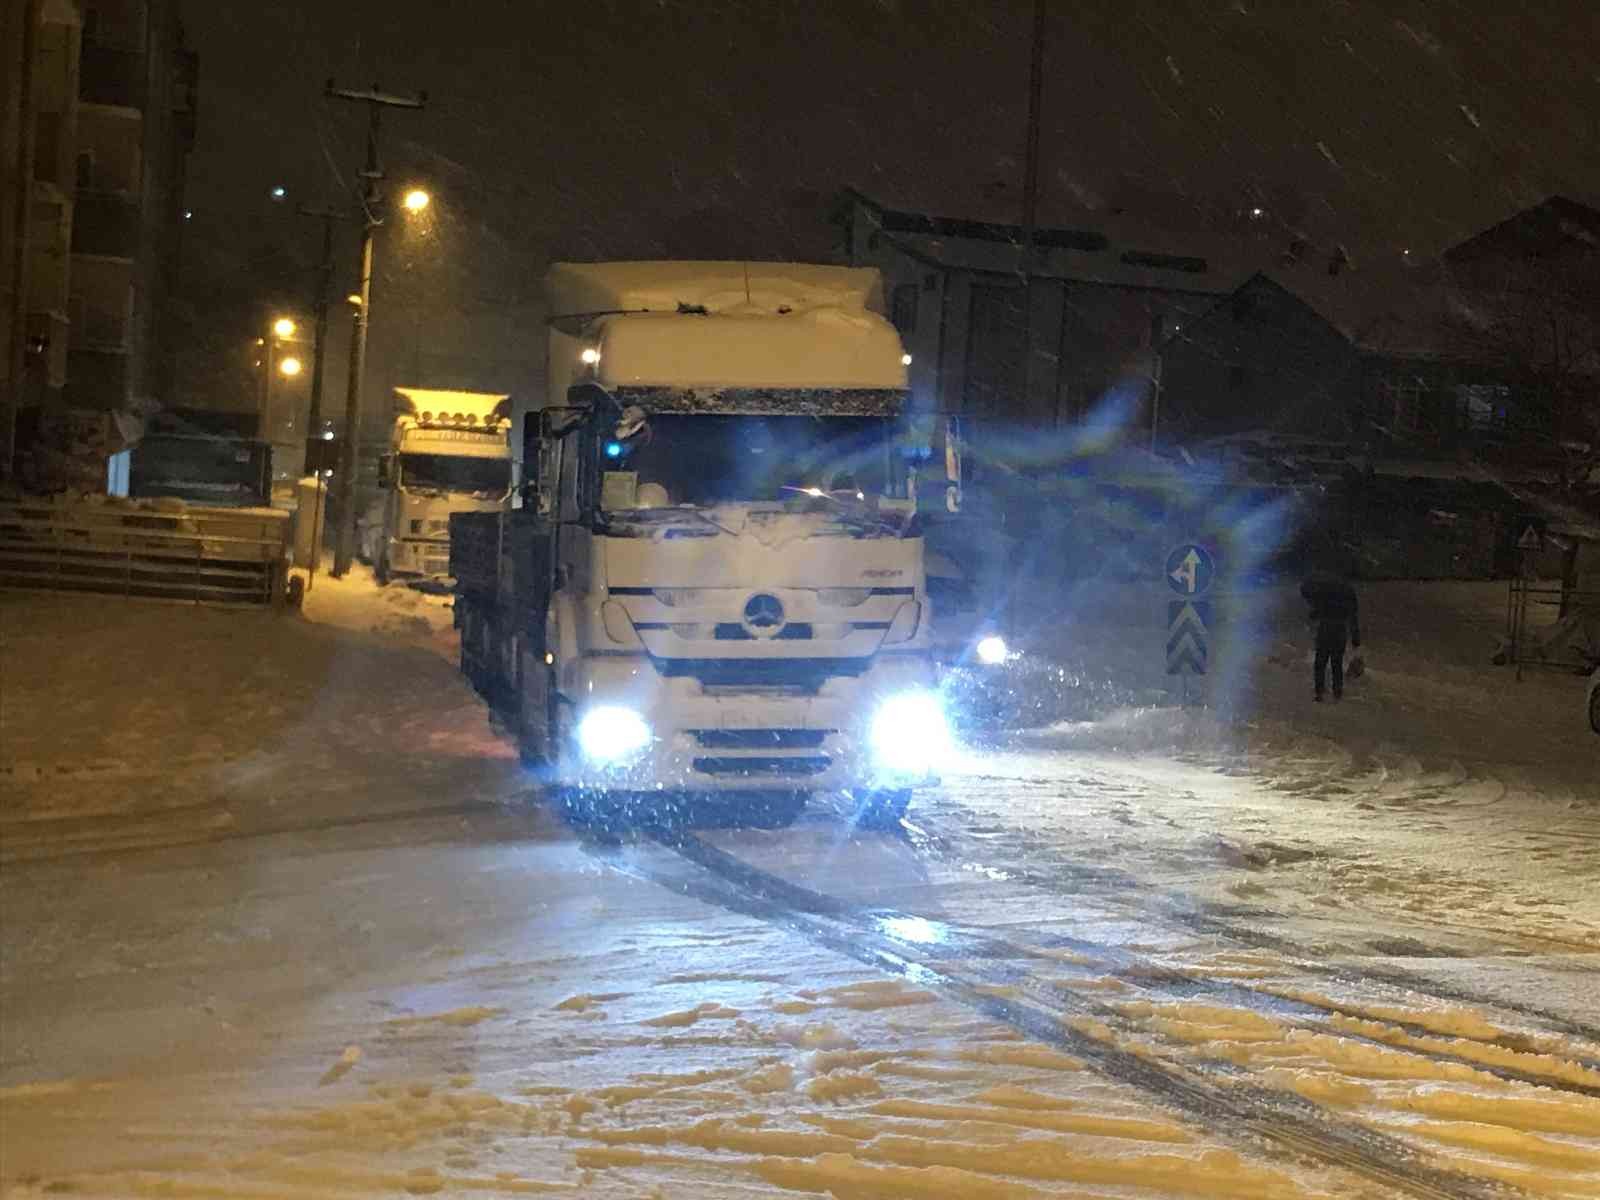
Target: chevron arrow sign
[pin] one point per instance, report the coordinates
(1188, 637)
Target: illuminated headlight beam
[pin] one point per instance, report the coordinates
(992, 650)
(611, 734)
(910, 733)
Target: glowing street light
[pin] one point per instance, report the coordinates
(416, 200)
(354, 298)
(283, 327)
(289, 367)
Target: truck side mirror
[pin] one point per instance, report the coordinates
(385, 470)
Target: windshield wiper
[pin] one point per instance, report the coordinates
(711, 521)
(851, 506)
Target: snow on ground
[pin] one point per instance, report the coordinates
(278, 923)
(1440, 788)
(149, 723)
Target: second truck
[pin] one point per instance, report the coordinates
(450, 452)
(715, 584)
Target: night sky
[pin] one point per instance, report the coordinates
(724, 129)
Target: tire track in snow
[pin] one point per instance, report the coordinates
(1218, 1097)
(1111, 884)
(1138, 971)
(61, 839)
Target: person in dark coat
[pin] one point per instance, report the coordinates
(1336, 615)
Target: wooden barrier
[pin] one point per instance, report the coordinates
(202, 555)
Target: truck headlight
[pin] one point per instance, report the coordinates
(610, 734)
(909, 733)
(992, 650)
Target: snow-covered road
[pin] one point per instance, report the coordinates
(1141, 957)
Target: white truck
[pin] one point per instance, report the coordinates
(450, 452)
(715, 586)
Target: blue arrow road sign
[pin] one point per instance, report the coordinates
(1190, 569)
(1188, 637)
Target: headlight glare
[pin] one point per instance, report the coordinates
(992, 650)
(609, 734)
(910, 733)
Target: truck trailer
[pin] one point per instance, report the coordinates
(715, 584)
(449, 452)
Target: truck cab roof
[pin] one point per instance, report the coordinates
(719, 326)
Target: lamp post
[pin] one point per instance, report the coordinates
(280, 333)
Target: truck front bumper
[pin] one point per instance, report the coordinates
(703, 739)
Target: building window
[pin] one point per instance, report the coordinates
(904, 309)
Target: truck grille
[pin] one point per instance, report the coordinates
(798, 765)
(761, 739)
(800, 676)
(732, 631)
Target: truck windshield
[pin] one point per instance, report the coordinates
(712, 459)
(488, 477)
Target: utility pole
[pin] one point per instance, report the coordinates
(1030, 221)
(1030, 182)
(314, 441)
(324, 298)
(376, 101)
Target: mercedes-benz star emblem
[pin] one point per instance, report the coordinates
(763, 615)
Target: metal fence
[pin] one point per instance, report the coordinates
(1552, 627)
(199, 555)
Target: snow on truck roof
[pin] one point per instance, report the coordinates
(415, 401)
(818, 348)
(724, 325)
(585, 288)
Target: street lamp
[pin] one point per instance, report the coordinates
(279, 331)
(416, 200)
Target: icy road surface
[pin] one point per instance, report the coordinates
(279, 918)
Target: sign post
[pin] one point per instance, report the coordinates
(1190, 572)
(1528, 547)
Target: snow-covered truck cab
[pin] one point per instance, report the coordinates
(450, 452)
(731, 594)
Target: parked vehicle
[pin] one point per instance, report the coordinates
(716, 585)
(450, 452)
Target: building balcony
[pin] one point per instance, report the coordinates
(110, 75)
(106, 223)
